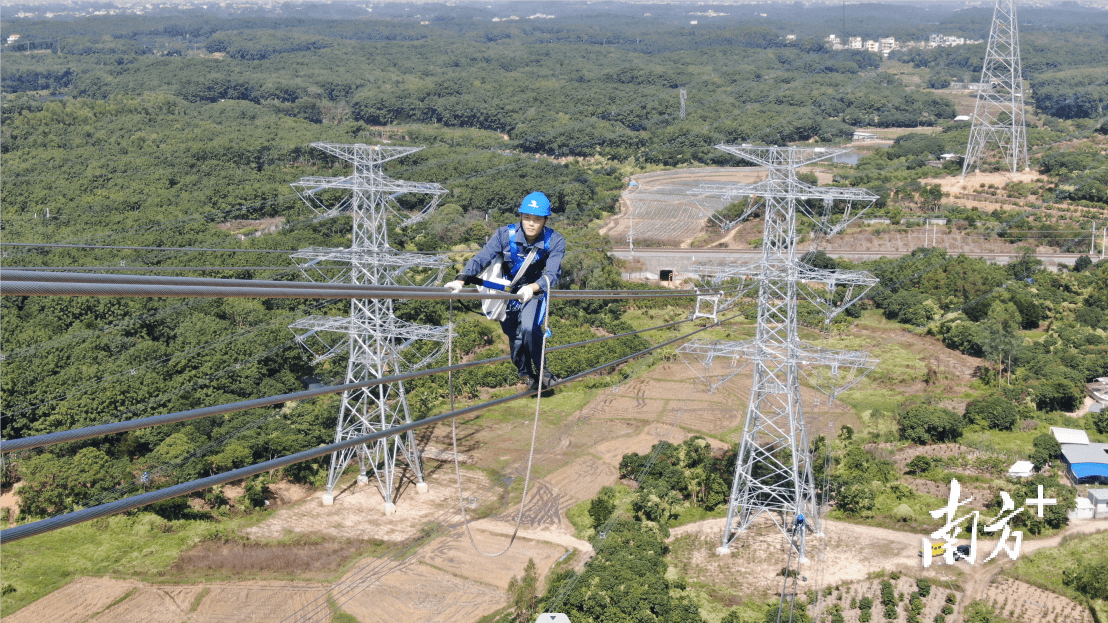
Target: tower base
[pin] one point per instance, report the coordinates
(328, 500)
(390, 508)
(421, 487)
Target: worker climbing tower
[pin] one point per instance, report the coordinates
(773, 470)
(998, 125)
(377, 343)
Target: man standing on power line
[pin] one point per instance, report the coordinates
(529, 256)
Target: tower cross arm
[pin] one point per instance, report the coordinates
(836, 277)
(782, 157)
(363, 153)
(380, 183)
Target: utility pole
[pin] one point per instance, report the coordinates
(376, 342)
(631, 230)
(998, 120)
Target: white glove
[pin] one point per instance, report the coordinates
(527, 292)
(455, 286)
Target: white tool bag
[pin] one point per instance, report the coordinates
(497, 309)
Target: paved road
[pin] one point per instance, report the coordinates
(654, 259)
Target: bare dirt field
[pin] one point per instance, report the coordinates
(127, 601)
(359, 510)
(662, 212)
(955, 183)
(419, 592)
(854, 559)
(456, 556)
(849, 553)
(10, 500)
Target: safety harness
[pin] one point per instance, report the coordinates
(519, 266)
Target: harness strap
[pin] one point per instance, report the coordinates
(520, 266)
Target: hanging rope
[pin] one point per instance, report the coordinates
(530, 454)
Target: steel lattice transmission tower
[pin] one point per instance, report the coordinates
(998, 121)
(773, 470)
(376, 341)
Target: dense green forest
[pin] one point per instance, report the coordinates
(185, 130)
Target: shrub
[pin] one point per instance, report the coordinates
(1100, 421)
(993, 411)
(600, 509)
(799, 614)
(924, 424)
(866, 603)
(856, 499)
(890, 612)
(921, 464)
(888, 596)
(1057, 395)
(924, 586)
(1090, 578)
(1045, 449)
(915, 603)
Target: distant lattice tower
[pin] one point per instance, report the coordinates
(376, 341)
(998, 122)
(773, 470)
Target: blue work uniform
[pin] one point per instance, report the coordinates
(522, 323)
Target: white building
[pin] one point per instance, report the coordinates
(1021, 469)
(1099, 500)
(1084, 510)
(856, 43)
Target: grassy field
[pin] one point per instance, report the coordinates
(137, 545)
(1046, 567)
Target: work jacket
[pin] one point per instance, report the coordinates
(545, 270)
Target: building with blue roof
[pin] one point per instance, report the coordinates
(1086, 463)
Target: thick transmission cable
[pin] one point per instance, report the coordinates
(64, 277)
(293, 290)
(134, 248)
(108, 269)
(67, 277)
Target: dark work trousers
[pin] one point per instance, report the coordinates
(525, 337)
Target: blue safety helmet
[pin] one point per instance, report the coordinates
(536, 203)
